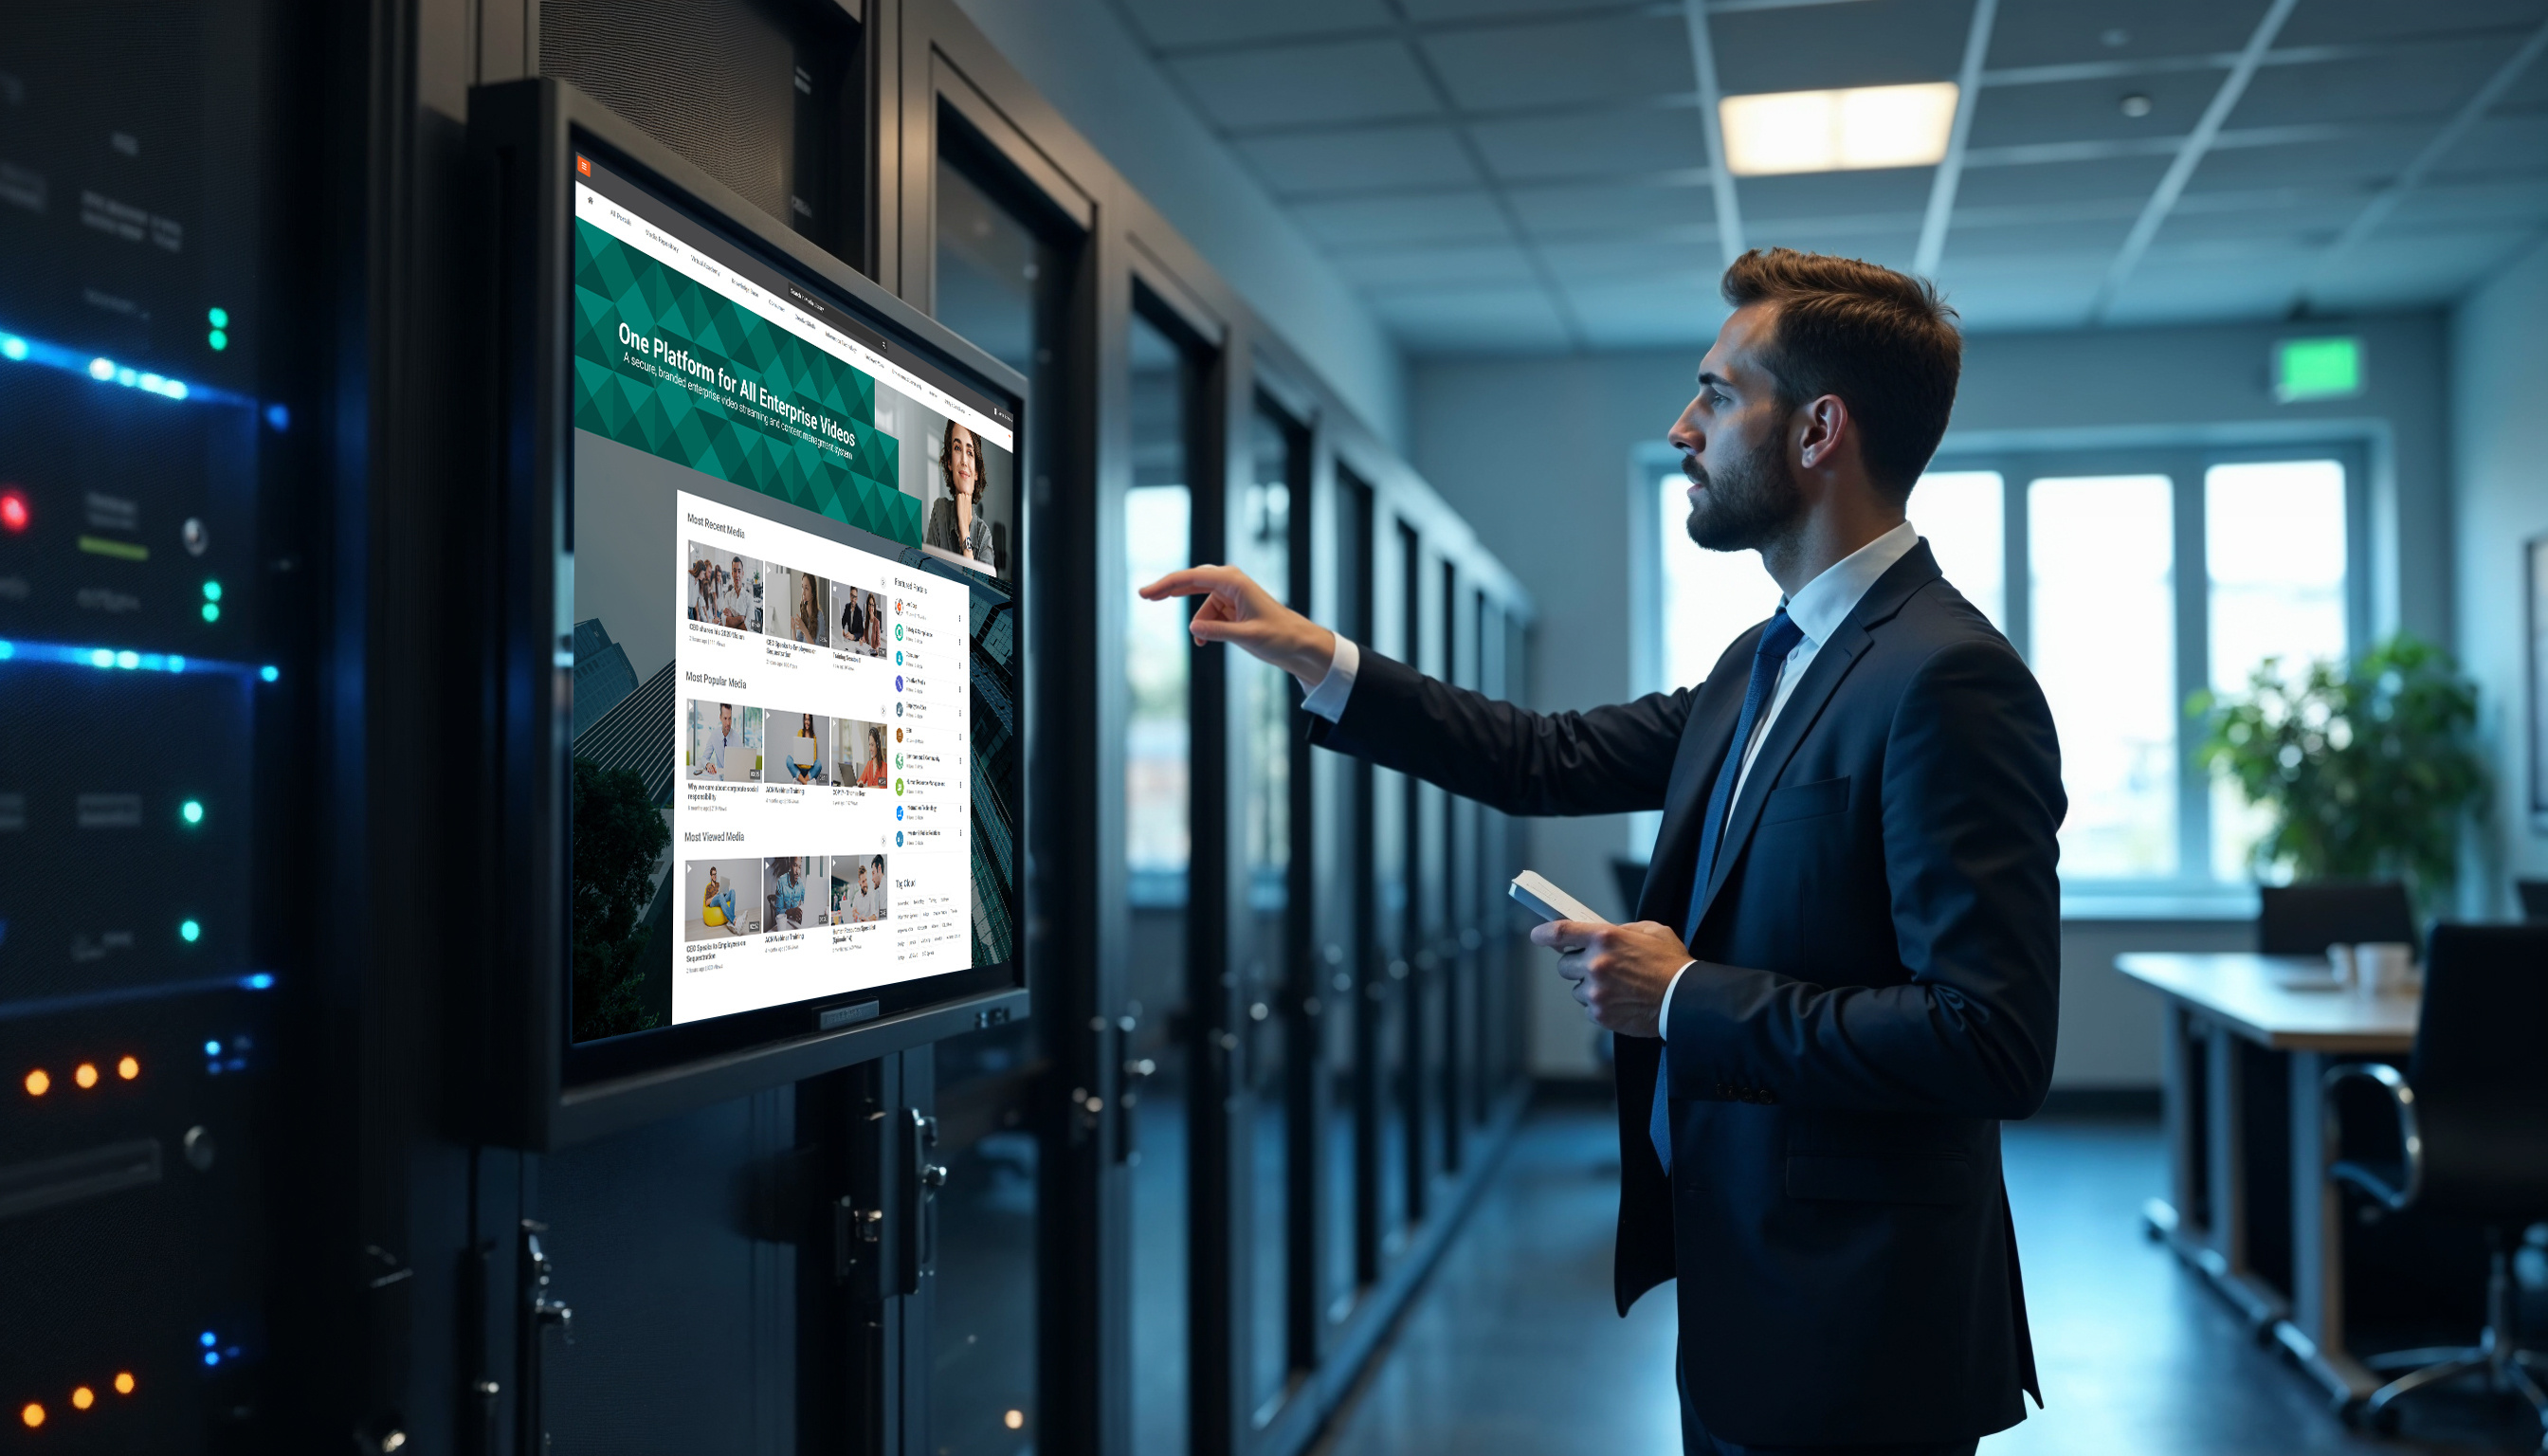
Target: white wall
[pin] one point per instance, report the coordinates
(2499, 445)
(1535, 454)
(1094, 71)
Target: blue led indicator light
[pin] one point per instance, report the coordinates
(270, 671)
(211, 1049)
(212, 1357)
(218, 318)
(127, 659)
(100, 369)
(261, 981)
(212, 613)
(190, 931)
(12, 347)
(217, 340)
(207, 1338)
(278, 418)
(211, 590)
(192, 811)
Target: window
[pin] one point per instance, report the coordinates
(2274, 543)
(2101, 599)
(2079, 559)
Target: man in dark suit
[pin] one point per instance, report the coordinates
(1846, 969)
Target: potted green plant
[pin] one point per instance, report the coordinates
(2370, 769)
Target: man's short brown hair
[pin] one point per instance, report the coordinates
(1883, 341)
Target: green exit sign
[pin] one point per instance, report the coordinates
(2308, 369)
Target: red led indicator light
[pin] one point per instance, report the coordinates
(15, 513)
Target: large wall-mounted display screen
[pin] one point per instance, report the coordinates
(794, 633)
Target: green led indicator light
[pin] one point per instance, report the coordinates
(188, 931)
(212, 613)
(211, 590)
(192, 811)
(217, 340)
(2317, 369)
(218, 318)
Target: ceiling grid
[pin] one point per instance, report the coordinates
(1503, 176)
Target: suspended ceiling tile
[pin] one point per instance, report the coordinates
(1347, 223)
(2427, 85)
(1321, 162)
(1459, 266)
(2439, 206)
(2409, 271)
(2059, 34)
(1472, 321)
(1609, 209)
(2504, 140)
(1967, 244)
(1168, 24)
(1894, 190)
(1662, 313)
(1294, 85)
(2011, 304)
(1868, 42)
(2092, 111)
(1609, 261)
(2260, 285)
(2355, 22)
(2362, 164)
(1599, 59)
(1469, 10)
(2128, 177)
(1594, 143)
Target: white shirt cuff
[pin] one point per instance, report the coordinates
(1327, 699)
(1663, 1018)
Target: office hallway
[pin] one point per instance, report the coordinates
(1511, 1350)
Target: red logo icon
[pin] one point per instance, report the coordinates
(583, 165)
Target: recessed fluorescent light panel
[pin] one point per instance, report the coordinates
(1845, 131)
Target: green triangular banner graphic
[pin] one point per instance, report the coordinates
(669, 367)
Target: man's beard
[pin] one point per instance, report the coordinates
(1749, 504)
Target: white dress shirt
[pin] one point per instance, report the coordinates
(1818, 608)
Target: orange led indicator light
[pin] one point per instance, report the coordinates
(128, 1068)
(38, 1082)
(85, 1075)
(31, 1414)
(124, 1382)
(82, 1398)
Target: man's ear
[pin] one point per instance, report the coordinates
(1823, 425)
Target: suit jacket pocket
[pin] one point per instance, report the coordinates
(1940, 1180)
(1806, 801)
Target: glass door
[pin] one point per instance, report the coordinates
(1159, 853)
(1002, 276)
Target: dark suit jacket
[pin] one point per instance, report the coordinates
(1876, 988)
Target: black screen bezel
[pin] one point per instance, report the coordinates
(667, 1049)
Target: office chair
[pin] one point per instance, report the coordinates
(2472, 1122)
(2535, 898)
(2306, 919)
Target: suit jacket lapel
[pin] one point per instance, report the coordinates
(1796, 719)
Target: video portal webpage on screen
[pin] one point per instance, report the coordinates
(793, 638)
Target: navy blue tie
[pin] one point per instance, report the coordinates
(1776, 640)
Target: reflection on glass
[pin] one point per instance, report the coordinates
(1710, 596)
(1157, 821)
(1261, 543)
(994, 284)
(2100, 551)
(1353, 1131)
(1961, 514)
(2274, 548)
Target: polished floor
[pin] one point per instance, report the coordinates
(1511, 1348)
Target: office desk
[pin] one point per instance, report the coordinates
(2232, 1022)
